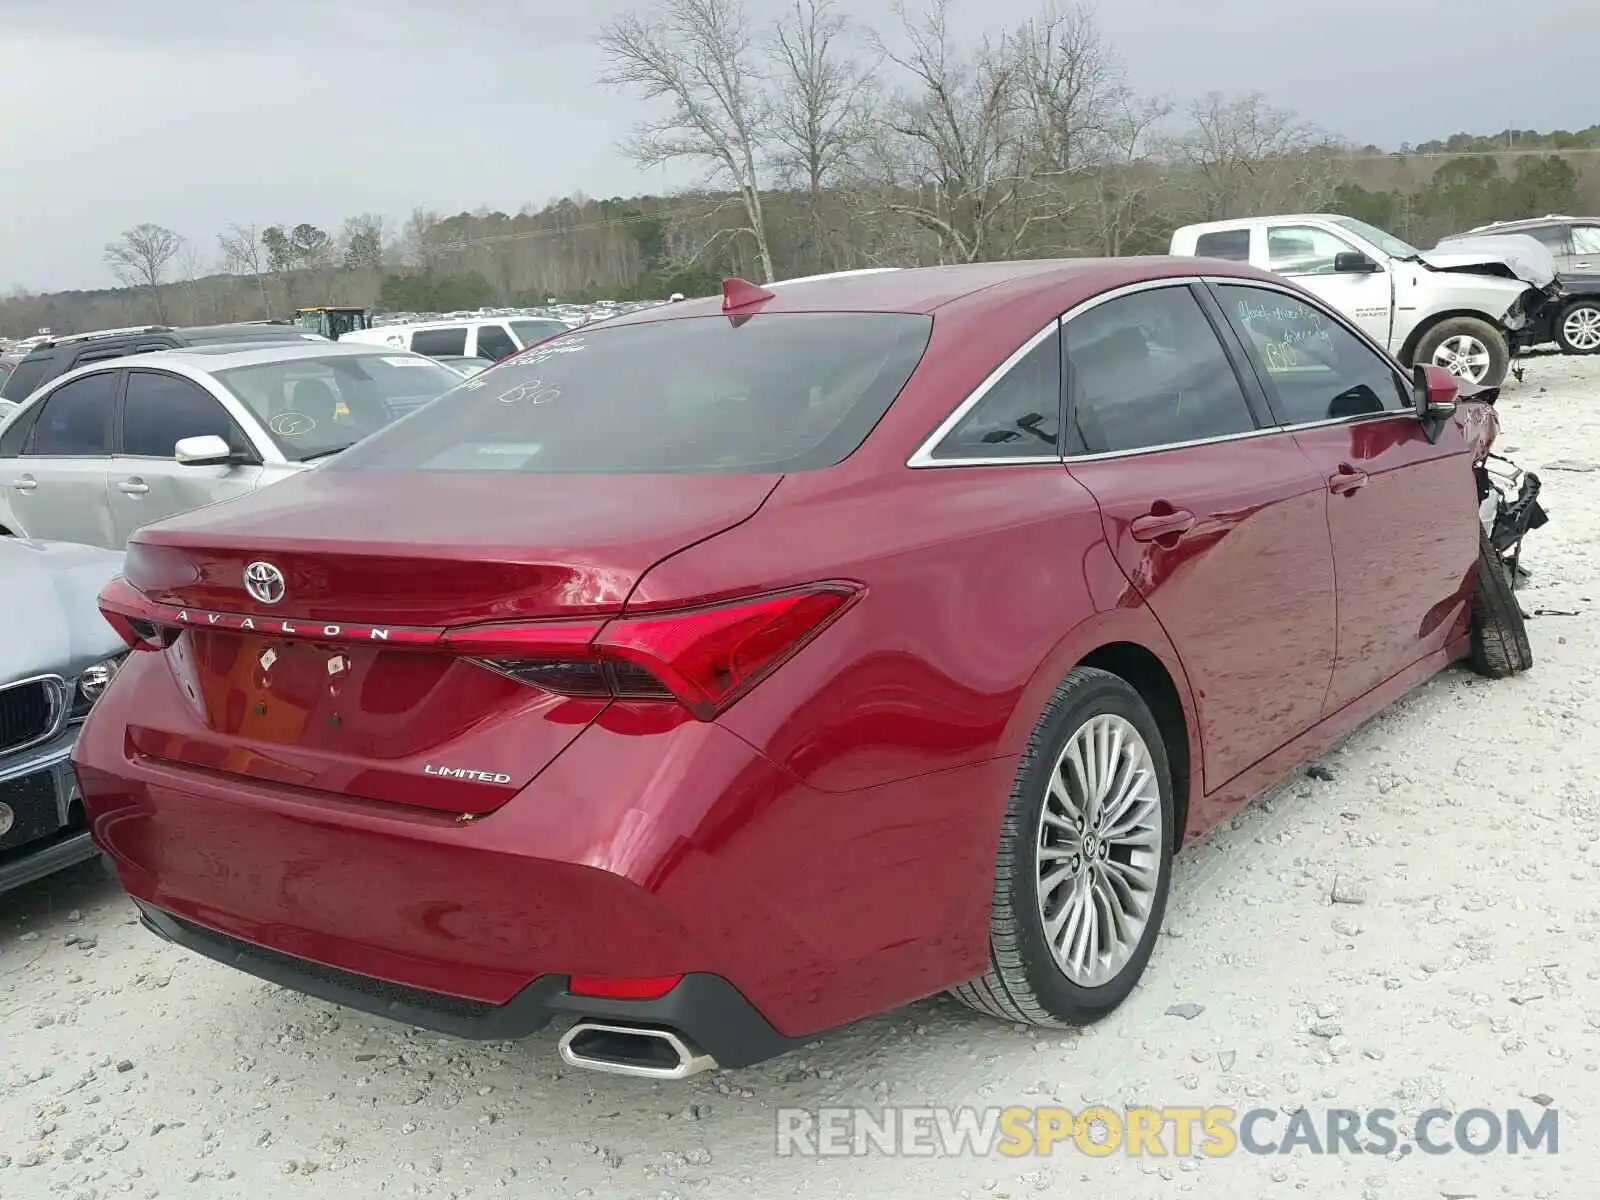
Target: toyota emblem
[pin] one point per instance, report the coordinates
(7, 819)
(264, 581)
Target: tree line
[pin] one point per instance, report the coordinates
(821, 144)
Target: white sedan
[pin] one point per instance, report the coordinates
(118, 444)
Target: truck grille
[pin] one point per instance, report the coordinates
(28, 713)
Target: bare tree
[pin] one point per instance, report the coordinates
(1248, 156)
(698, 57)
(363, 242)
(954, 156)
(241, 255)
(1126, 182)
(1069, 84)
(141, 259)
(822, 106)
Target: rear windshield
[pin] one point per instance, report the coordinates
(764, 394)
(314, 406)
(25, 377)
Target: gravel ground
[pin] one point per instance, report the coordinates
(1459, 970)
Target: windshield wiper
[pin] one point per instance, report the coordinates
(324, 453)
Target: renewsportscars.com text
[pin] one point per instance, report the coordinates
(1156, 1132)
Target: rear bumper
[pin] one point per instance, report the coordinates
(706, 1009)
(635, 854)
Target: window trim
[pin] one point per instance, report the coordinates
(245, 443)
(118, 378)
(923, 455)
(1212, 282)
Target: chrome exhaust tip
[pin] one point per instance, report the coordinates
(632, 1050)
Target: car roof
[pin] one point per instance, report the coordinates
(925, 290)
(225, 357)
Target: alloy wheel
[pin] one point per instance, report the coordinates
(1581, 328)
(1100, 843)
(1463, 356)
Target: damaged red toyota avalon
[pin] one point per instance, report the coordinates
(737, 669)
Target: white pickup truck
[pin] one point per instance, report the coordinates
(1465, 306)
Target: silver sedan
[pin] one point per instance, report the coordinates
(118, 444)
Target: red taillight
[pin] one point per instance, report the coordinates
(126, 609)
(607, 988)
(705, 658)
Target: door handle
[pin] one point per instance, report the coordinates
(133, 487)
(1347, 480)
(26, 484)
(1154, 526)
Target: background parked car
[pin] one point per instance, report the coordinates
(1573, 242)
(1464, 308)
(118, 444)
(54, 357)
(57, 654)
(466, 366)
(491, 339)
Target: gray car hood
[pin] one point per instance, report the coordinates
(1514, 254)
(49, 621)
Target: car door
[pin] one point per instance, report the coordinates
(492, 342)
(1215, 517)
(1402, 511)
(158, 410)
(1306, 254)
(56, 488)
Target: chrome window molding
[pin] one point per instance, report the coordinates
(923, 456)
(59, 693)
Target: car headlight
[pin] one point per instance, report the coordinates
(92, 682)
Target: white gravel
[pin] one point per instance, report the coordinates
(1465, 821)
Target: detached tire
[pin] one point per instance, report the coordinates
(1578, 327)
(1499, 634)
(1459, 338)
(1080, 885)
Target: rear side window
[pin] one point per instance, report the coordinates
(76, 418)
(1146, 370)
(1020, 416)
(440, 343)
(494, 342)
(25, 379)
(756, 395)
(1231, 244)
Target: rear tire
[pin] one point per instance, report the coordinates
(1454, 340)
(1499, 634)
(1123, 852)
(1578, 327)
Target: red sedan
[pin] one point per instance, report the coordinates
(737, 669)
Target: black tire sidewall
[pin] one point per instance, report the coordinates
(1499, 351)
(1561, 320)
(1106, 695)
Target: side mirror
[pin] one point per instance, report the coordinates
(1351, 262)
(1434, 393)
(208, 450)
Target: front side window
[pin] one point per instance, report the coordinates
(1319, 370)
(769, 393)
(160, 410)
(76, 419)
(1019, 416)
(1552, 237)
(1303, 250)
(1386, 242)
(494, 343)
(440, 343)
(536, 330)
(1146, 370)
(312, 407)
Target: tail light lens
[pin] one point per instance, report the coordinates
(125, 607)
(704, 658)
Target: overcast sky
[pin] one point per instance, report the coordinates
(196, 113)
